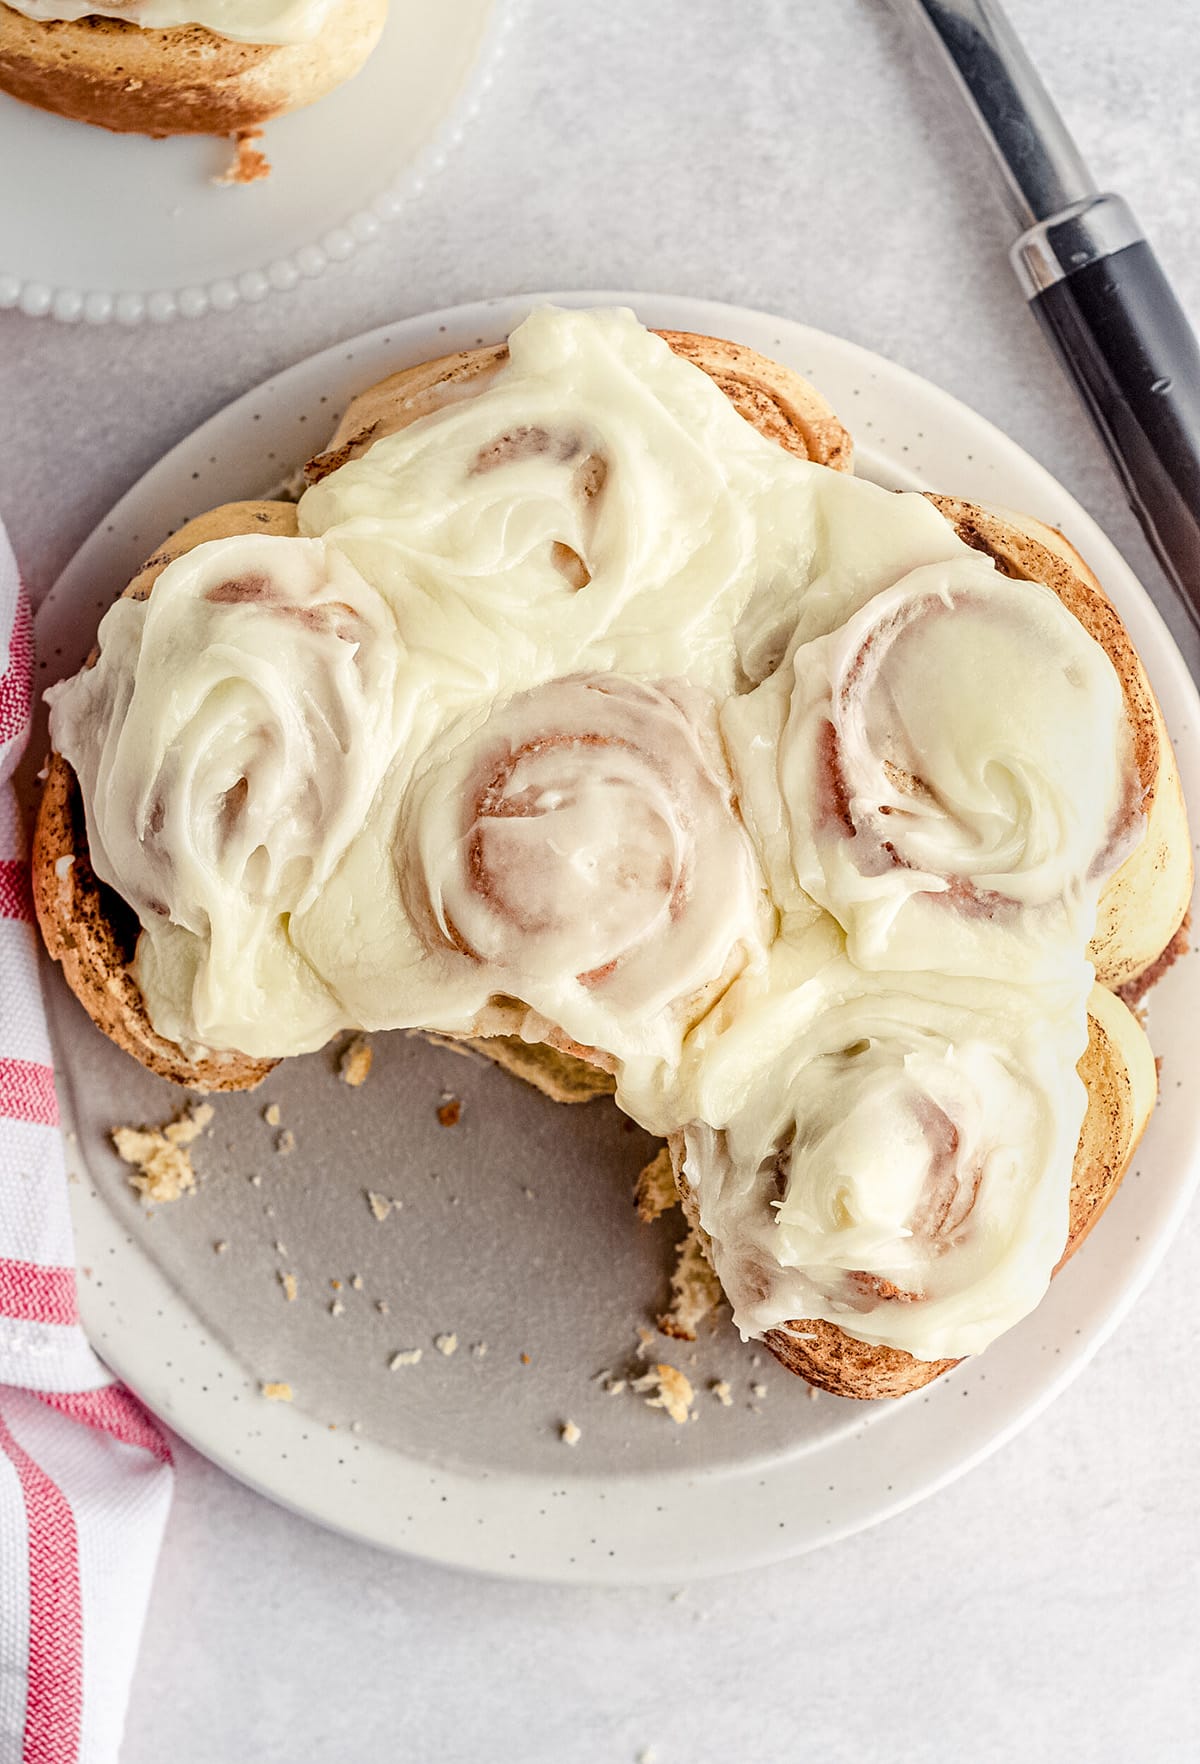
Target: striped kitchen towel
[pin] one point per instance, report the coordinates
(85, 1472)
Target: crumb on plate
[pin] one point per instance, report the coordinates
(695, 1291)
(355, 1063)
(161, 1160)
(249, 163)
(277, 1391)
(570, 1434)
(655, 1192)
(405, 1357)
(446, 1344)
(668, 1389)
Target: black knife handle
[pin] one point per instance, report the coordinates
(1126, 342)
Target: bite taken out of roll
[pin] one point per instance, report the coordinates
(897, 1172)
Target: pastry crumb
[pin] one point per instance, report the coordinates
(450, 1112)
(446, 1344)
(614, 1386)
(279, 1248)
(336, 1307)
(382, 1306)
(720, 1389)
(448, 1042)
(249, 163)
(220, 1247)
(758, 1390)
(525, 1359)
(356, 1281)
(277, 1391)
(655, 1192)
(813, 1393)
(285, 1142)
(161, 1160)
(695, 1291)
(288, 1283)
(271, 1115)
(668, 1389)
(570, 1434)
(405, 1357)
(645, 1343)
(355, 1063)
(479, 1349)
(379, 1204)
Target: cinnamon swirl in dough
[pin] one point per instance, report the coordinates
(182, 67)
(587, 699)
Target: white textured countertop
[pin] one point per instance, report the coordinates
(784, 154)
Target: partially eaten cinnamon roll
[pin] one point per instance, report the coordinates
(587, 698)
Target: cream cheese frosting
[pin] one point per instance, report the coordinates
(580, 695)
(895, 1159)
(575, 849)
(949, 772)
(228, 744)
(245, 21)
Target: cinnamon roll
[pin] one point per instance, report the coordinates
(890, 1176)
(591, 708)
(575, 850)
(221, 793)
(954, 776)
(583, 492)
(182, 67)
(1143, 905)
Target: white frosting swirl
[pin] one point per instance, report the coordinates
(577, 850)
(950, 773)
(895, 1161)
(228, 743)
(246, 21)
(597, 505)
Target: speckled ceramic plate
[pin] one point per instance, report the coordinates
(513, 1230)
(118, 228)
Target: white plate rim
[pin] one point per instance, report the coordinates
(730, 1519)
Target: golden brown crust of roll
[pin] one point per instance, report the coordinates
(184, 81)
(86, 926)
(1118, 1073)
